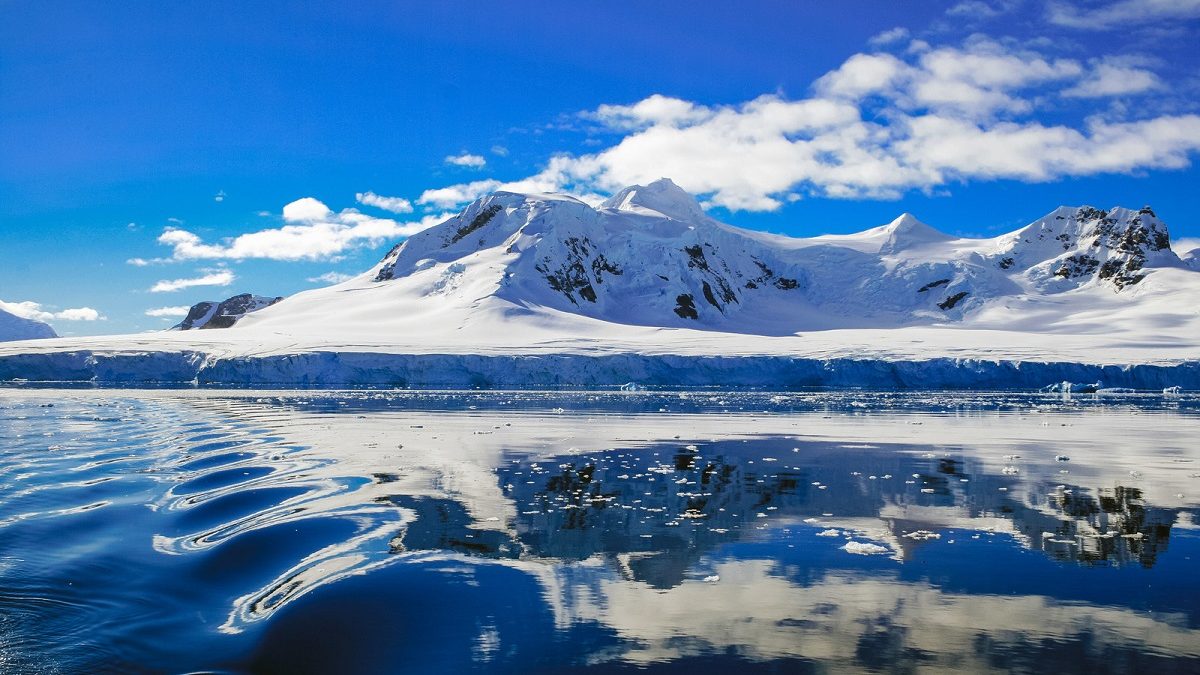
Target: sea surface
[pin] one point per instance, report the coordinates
(522, 532)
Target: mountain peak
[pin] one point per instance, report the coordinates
(907, 232)
(662, 196)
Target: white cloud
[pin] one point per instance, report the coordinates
(312, 232)
(330, 278)
(499, 151)
(34, 310)
(169, 312)
(877, 126)
(1120, 14)
(978, 10)
(467, 160)
(1113, 78)
(219, 197)
(887, 37)
(453, 195)
(653, 110)
(393, 204)
(219, 277)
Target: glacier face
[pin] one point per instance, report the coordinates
(547, 290)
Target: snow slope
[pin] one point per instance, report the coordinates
(13, 327)
(534, 289)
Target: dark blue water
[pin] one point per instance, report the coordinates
(521, 532)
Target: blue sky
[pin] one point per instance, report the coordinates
(148, 150)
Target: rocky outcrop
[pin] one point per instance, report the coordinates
(208, 314)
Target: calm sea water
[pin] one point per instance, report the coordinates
(372, 532)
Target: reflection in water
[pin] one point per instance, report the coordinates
(665, 527)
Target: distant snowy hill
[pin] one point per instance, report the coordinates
(13, 327)
(540, 289)
(210, 314)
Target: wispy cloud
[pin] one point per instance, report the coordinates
(34, 310)
(220, 277)
(330, 278)
(393, 204)
(887, 37)
(1121, 14)
(877, 126)
(169, 312)
(467, 160)
(311, 232)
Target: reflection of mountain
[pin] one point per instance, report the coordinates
(672, 504)
(633, 496)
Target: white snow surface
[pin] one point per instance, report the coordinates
(648, 275)
(13, 327)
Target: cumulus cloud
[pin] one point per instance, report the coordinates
(34, 310)
(330, 278)
(877, 126)
(1120, 14)
(219, 277)
(468, 160)
(312, 231)
(1112, 77)
(179, 311)
(393, 204)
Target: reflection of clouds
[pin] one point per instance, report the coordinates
(764, 616)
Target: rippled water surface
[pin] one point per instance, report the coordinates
(374, 532)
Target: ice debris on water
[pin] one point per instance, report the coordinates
(829, 533)
(1172, 391)
(864, 548)
(1066, 387)
(632, 386)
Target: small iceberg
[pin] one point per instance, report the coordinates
(1066, 387)
(1172, 391)
(632, 386)
(865, 548)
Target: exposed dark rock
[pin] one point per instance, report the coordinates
(572, 276)
(953, 300)
(1008, 262)
(933, 284)
(477, 222)
(685, 307)
(1077, 266)
(708, 295)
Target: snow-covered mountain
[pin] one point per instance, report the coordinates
(223, 314)
(650, 256)
(13, 327)
(542, 289)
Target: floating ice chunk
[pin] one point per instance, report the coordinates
(923, 535)
(1172, 391)
(865, 548)
(712, 578)
(829, 533)
(1010, 471)
(1066, 387)
(632, 386)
